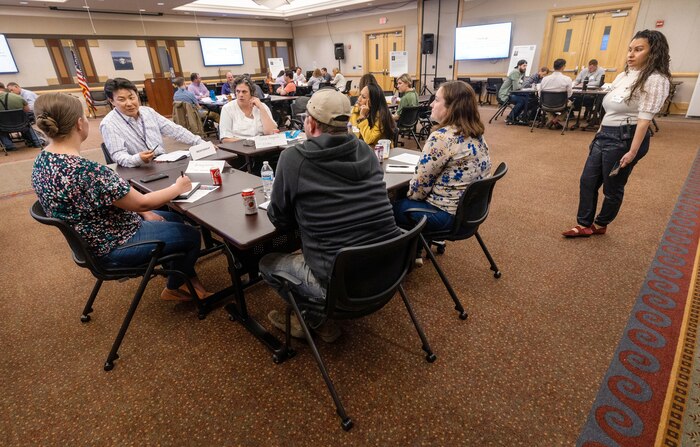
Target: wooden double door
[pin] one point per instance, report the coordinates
(378, 46)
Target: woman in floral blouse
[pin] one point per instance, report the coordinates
(454, 156)
(101, 206)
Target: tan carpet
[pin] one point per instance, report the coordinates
(523, 370)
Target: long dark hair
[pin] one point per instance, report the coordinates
(378, 110)
(658, 60)
(366, 79)
(462, 110)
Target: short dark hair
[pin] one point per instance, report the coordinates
(12, 84)
(193, 76)
(2, 86)
(593, 62)
(559, 64)
(289, 74)
(179, 81)
(246, 81)
(112, 85)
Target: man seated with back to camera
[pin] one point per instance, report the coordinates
(134, 133)
(183, 95)
(557, 82)
(332, 189)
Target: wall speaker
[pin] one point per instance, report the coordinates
(428, 43)
(339, 52)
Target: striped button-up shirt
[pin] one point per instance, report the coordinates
(125, 137)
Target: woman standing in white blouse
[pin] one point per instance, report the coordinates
(623, 139)
(245, 117)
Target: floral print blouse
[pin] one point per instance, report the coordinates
(81, 192)
(448, 164)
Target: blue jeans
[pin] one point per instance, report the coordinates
(178, 238)
(606, 149)
(438, 221)
(29, 136)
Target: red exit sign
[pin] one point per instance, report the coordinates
(659, 23)
(382, 20)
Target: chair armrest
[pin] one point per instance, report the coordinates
(286, 278)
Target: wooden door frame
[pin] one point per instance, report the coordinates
(401, 29)
(631, 5)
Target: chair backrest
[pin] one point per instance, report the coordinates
(98, 95)
(105, 152)
(353, 100)
(363, 279)
(309, 73)
(185, 114)
(602, 79)
(299, 106)
(13, 120)
(408, 117)
(493, 85)
(438, 81)
(348, 86)
(467, 80)
(473, 208)
(81, 252)
(553, 101)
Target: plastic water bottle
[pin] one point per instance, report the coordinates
(212, 95)
(349, 127)
(268, 177)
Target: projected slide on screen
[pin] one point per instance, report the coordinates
(483, 41)
(218, 51)
(7, 62)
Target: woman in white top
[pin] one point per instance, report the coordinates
(338, 80)
(246, 116)
(623, 139)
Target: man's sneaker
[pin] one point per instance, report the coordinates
(278, 320)
(329, 331)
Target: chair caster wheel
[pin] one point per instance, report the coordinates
(497, 274)
(347, 424)
(201, 316)
(109, 366)
(231, 318)
(84, 318)
(463, 315)
(431, 357)
(276, 358)
(441, 249)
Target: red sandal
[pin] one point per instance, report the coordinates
(598, 230)
(578, 231)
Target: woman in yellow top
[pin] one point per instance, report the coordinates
(372, 116)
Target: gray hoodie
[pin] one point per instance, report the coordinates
(332, 189)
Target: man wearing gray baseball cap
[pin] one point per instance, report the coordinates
(332, 189)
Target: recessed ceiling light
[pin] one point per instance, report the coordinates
(338, 9)
(23, 3)
(142, 10)
(309, 15)
(160, 3)
(185, 12)
(86, 7)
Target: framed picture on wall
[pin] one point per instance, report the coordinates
(122, 60)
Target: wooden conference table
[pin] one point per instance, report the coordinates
(246, 237)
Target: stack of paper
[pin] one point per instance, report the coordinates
(173, 156)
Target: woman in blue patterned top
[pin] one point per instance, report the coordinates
(101, 206)
(454, 156)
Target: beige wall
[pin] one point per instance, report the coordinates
(102, 57)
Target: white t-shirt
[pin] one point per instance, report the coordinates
(234, 124)
(644, 104)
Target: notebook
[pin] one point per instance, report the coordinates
(186, 195)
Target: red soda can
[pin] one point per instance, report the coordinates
(249, 203)
(215, 176)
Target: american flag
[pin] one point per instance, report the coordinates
(83, 85)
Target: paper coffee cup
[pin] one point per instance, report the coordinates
(387, 147)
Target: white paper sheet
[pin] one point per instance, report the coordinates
(411, 159)
(172, 156)
(203, 166)
(201, 192)
(267, 141)
(264, 205)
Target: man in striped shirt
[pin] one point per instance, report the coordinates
(133, 133)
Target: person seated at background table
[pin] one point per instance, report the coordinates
(454, 156)
(270, 82)
(332, 189)
(27, 95)
(409, 97)
(183, 95)
(367, 78)
(132, 133)
(557, 82)
(513, 83)
(12, 101)
(338, 80)
(372, 116)
(227, 88)
(197, 87)
(279, 81)
(315, 80)
(105, 211)
(257, 91)
(593, 74)
(326, 76)
(532, 81)
(289, 87)
(299, 77)
(245, 117)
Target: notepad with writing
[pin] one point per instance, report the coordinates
(400, 169)
(186, 195)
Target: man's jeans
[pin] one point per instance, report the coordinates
(519, 102)
(29, 136)
(178, 237)
(607, 148)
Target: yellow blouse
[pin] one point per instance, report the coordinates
(370, 135)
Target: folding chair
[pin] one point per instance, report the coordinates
(99, 99)
(84, 258)
(553, 102)
(407, 124)
(501, 109)
(363, 280)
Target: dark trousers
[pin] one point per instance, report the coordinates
(519, 102)
(607, 148)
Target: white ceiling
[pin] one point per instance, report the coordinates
(255, 9)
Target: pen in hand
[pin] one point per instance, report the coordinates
(182, 174)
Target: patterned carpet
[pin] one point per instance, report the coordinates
(650, 395)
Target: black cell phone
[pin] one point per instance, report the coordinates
(153, 178)
(615, 170)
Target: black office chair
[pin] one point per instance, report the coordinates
(105, 152)
(553, 102)
(467, 80)
(99, 99)
(298, 108)
(14, 122)
(84, 258)
(348, 86)
(407, 124)
(493, 85)
(309, 74)
(363, 280)
(143, 97)
(503, 106)
(437, 82)
(426, 124)
(472, 211)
